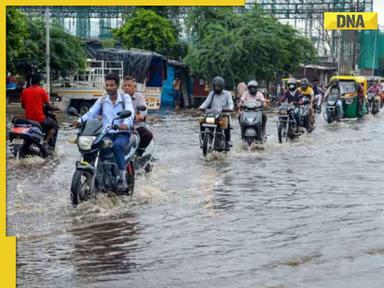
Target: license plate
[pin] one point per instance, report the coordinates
(18, 141)
(210, 125)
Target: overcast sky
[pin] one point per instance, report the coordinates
(378, 6)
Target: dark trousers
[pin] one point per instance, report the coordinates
(120, 141)
(47, 125)
(360, 103)
(146, 137)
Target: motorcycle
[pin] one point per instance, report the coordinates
(212, 135)
(286, 124)
(27, 137)
(251, 123)
(317, 103)
(374, 103)
(304, 112)
(331, 109)
(97, 169)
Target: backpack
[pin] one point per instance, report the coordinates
(104, 98)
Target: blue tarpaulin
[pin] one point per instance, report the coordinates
(167, 92)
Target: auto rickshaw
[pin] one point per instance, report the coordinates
(348, 88)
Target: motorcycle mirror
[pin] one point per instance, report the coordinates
(141, 108)
(124, 114)
(72, 111)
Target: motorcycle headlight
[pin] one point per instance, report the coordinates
(331, 103)
(210, 120)
(85, 142)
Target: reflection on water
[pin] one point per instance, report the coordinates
(307, 213)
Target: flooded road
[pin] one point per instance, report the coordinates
(309, 213)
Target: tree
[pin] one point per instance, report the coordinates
(147, 30)
(17, 33)
(241, 47)
(67, 53)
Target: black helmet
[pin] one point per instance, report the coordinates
(304, 83)
(291, 84)
(252, 87)
(218, 84)
(36, 78)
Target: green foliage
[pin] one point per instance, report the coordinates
(149, 31)
(17, 33)
(108, 43)
(241, 47)
(67, 53)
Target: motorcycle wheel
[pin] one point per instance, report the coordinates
(80, 187)
(130, 177)
(329, 118)
(205, 144)
(280, 130)
(375, 108)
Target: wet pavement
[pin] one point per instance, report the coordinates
(308, 213)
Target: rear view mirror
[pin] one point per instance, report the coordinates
(141, 108)
(124, 114)
(72, 111)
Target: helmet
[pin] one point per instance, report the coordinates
(291, 84)
(252, 87)
(218, 84)
(304, 83)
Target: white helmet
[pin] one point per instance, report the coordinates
(253, 83)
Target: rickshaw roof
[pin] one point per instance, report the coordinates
(359, 79)
(286, 79)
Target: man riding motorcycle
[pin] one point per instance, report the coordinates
(293, 96)
(219, 99)
(375, 88)
(307, 91)
(138, 99)
(334, 90)
(108, 106)
(253, 94)
(33, 100)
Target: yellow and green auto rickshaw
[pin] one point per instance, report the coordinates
(348, 88)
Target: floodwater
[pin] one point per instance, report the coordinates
(308, 213)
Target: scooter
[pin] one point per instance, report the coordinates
(331, 110)
(251, 123)
(27, 137)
